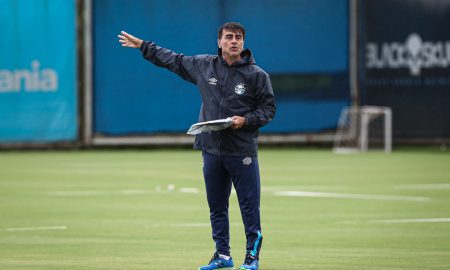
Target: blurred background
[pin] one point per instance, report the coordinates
(66, 81)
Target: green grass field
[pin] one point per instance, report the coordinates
(147, 210)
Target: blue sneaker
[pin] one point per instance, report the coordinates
(250, 263)
(217, 262)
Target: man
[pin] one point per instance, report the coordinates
(231, 85)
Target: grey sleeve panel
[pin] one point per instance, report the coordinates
(184, 66)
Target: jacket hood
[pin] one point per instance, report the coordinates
(246, 58)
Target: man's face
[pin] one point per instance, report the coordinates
(232, 43)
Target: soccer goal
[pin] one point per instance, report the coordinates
(363, 128)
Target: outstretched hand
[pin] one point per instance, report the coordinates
(130, 41)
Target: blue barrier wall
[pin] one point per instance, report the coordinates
(38, 101)
(302, 44)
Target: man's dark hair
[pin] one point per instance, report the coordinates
(233, 27)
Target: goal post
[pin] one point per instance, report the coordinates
(364, 128)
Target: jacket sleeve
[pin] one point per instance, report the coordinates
(265, 105)
(183, 66)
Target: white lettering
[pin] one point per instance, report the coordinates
(49, 80)
(414, 55)
(372, 61)
(448, 52)
(22, 76)
(33, 80)
(395, 55)
(6, 81)
(35, 65)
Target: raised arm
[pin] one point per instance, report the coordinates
(187, 67)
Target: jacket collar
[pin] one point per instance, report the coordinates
(246, 58)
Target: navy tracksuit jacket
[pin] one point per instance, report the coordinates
(229, 156)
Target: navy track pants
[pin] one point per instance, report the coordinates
(220, 173)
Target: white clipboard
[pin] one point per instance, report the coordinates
(207, 126)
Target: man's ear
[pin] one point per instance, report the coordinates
(218, 43)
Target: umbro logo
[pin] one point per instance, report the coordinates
(212, 81)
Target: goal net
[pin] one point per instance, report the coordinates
(363, 128)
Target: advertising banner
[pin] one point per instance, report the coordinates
(38, 100)
(405, 64)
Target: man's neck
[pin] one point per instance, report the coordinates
(230, 60)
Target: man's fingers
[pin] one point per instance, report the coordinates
(128, 40)
(127, 35)
(122, 39)
(126, 44)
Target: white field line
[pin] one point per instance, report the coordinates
(189, 190)
(80, 193)
(135, 191)
(350, 196)
(416, 220)
(393, 221)
(423, 186)
(284, 188)
(48, 228)
(192, 225)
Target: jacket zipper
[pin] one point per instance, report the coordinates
(224, 93)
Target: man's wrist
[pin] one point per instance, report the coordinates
(143, 45)
(245, 121)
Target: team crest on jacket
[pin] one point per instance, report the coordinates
(247, 161)
(239, 89)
